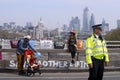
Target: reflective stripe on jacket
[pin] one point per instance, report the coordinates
(96, 48)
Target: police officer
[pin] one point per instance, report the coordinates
(96, 53)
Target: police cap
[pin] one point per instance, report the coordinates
(98, 26)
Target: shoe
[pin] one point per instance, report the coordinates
(73, 62)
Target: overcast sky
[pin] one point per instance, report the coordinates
(55, 13)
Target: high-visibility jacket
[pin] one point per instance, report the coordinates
(96, 48)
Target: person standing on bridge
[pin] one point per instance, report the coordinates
(96, 53)
(22, 45)
(72, 45)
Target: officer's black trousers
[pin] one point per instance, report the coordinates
(96, 73)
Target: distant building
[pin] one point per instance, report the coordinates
(85, 27)
(65, 28)
(28, 25)
(92, 22)
(118, 23)
(1, 27)
(9, 26)
(105, 27)
(46, 33)
(65, 31)
(74, 24)
(5, 25)
(19, 29)
(39, 30)
(56, 32)
(12, 25)
(29, 29)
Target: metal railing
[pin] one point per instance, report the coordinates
(113, 44)
(110, 44)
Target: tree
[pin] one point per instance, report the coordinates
(113, 35)
(4, 34)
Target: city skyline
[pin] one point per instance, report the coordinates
(55, 13)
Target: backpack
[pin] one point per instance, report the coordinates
(14, 43)
(79, 44)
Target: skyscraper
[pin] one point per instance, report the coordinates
(75, 24)
(65, 28)
(85, 20)
(118, 23)
(92, 22)
(105, 26)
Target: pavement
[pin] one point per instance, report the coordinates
(114, 75)
(62, 70)
(59, 74)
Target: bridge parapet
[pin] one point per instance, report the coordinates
(58, 58)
